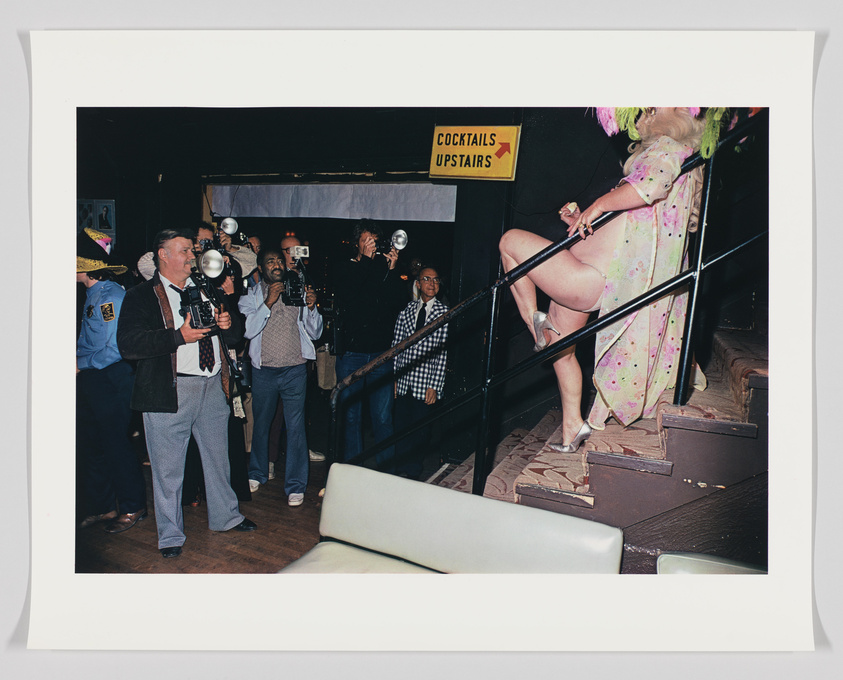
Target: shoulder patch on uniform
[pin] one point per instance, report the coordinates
(107, 310)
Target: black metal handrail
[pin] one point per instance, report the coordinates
(491, 381)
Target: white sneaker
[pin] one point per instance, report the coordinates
(271, 471)
(295, 499)
(315, 456)
(254, 485)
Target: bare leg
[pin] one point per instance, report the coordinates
(568, 371)
(572, 286)
(524, 290)
(564, 278)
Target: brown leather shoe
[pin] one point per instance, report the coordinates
(125, 521)
(95, 519)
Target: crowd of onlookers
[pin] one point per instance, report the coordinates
(207, 351)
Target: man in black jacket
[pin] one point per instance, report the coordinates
(181, 386)
(370, 293)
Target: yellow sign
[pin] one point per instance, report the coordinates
(475, 152)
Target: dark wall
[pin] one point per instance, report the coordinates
(154, 162)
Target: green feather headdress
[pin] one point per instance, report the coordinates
(623, 119)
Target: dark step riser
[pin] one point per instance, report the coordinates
(635, 498)
(732, 523)
(703, 463)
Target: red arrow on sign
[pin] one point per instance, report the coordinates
(504, 149)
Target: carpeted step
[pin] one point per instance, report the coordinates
(500, 483)
(562, 471)
(638, 440)
(530, 468)
(744, 358)
(511, 455)
(461, 472)
(566, 475)
(712, 410)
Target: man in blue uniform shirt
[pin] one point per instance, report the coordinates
(114, 487)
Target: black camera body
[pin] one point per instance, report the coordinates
(398, 240)
(294, 288)
(238, 238)
(201, 311)
(206, 244)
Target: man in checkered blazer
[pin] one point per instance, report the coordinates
(419, 372)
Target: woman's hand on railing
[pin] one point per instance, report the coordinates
(582, 223)
(569, 213)
(621, 198)
(577, 220)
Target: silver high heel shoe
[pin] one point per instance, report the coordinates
(582, 435)
(541, 323)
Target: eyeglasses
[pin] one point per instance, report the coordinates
(428, 279)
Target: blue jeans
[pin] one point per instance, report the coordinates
(290, 384)
(379, 386)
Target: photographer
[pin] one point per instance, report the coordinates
(181, 386)
(370, 293)
(242, 253)
(207, 238)
(228, 284)
(282, 321)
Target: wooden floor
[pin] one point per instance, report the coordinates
(284, 534)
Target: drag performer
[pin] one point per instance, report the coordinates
(636, 357)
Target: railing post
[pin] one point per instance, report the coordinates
(334, 445)
(481, 461)
(686, 355)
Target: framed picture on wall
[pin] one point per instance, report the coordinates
(104, 218)
(85, 216)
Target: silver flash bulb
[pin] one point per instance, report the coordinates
(211, 263)
(229, 226)
(399, 239)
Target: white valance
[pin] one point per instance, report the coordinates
(403, 202)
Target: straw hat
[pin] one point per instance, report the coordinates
(91, 256)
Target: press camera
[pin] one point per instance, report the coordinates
(201, 311)
(295, 289)
(398, 240)
(212, 260)
(229, 226)
(210, 266)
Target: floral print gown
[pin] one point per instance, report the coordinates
(637, 358)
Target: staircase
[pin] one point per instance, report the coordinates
(710, 453)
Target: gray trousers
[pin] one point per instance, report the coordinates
(203, 412)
